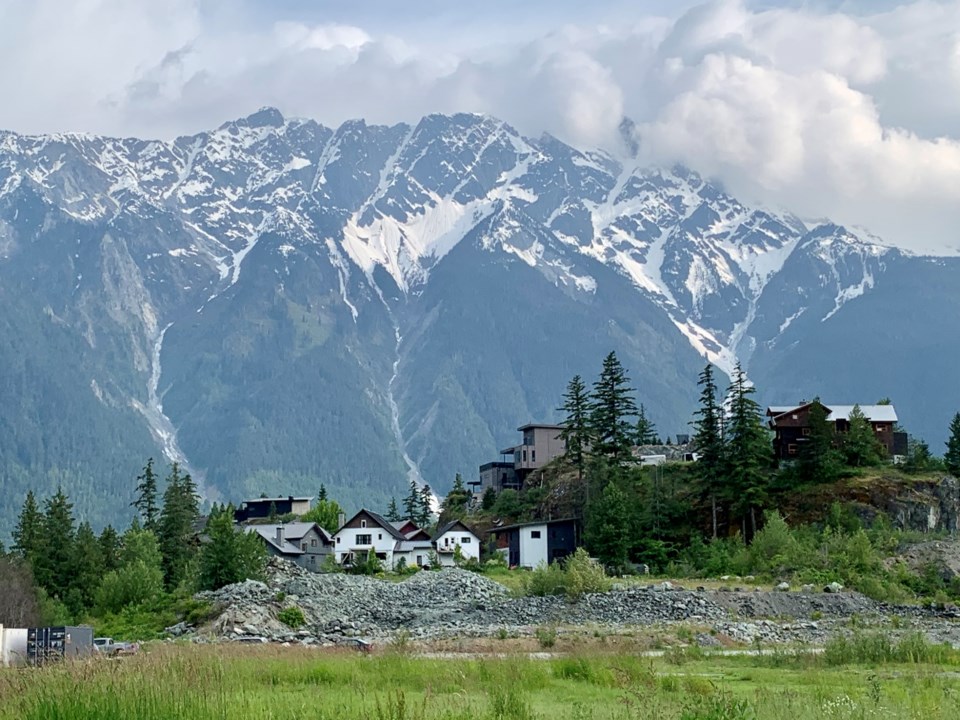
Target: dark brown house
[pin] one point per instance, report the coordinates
(791, 426)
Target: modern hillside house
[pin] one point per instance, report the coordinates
(791, 426)
(539, 445)
(542, 542)
(262, 508)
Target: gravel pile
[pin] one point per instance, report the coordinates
(455, 602)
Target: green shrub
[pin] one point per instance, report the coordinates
(584, 575)
(546, 580)
(878, 648)
(292, 617)
(546, 636)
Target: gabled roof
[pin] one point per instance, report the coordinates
(874, 413)
(286, 547)
(295, 530)
(379, 520)
(418, 534)
(447, 527)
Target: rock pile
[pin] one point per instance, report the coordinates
(339, 607)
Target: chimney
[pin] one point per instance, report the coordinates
(341, 520)
(280, 534)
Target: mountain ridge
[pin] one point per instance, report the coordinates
(247, 277)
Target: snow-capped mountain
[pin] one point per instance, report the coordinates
(277, 304)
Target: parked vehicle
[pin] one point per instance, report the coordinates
(110, 648)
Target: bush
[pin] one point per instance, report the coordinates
(546, 636)
(584, 575)
(546, 580)
(371, 565)
(132, 584)
(292, 617)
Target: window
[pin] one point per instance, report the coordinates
(791, 449)
(806, 432)
(313, 559)
(465, 541)
(303, 546)
(379, 536)
(535, 534)
(419, 560)
(364, 539)
(524, 455)
(533, 455)
(313, 542)
(338, 540)
(363, 523)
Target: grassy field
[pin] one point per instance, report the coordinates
(860, 679)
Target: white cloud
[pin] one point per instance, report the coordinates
(843, 115)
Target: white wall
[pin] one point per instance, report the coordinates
(533, 550)
(468, 542)
(345, 541)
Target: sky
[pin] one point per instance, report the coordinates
(840, 109)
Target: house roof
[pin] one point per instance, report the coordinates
(874, 413)
(295, 530)
(410, 545)
(377, 518)
(288, 498)
(517, 526)
(447, 527)
(539, 426)
(286, 547)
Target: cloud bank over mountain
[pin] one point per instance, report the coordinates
(835, 109)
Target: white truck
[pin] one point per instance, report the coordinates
(109, 648)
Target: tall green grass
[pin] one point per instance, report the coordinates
(239, 683)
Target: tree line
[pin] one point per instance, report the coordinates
(70, 572)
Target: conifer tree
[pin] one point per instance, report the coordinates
(576, 432)
(109, 542)
(425, 510)
(393, 512)
(411, 503)
(147, 494)
(489, 499)
(952, 457)
(54, 570)
(646, 429)
(611, 408)
(231, 556)
(749, 453)
(818, 460)
(322, 495)
(180, 512)
(456, 501)
(28, 542)
(708, 442)
(88, 569)
(860, 445)
(606, 531)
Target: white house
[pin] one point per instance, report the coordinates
(453, 535)
(390, 542)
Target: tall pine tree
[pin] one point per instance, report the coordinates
(576, 430)
(646, 429)
(860, 446)
(54, 570)
(818, 460)
(612, 408)
(28, 540)
(147, 497)
(425, 510)
(749, 453)
(393, 512)
(180, 512)
(952, 457)
(88, 569)
(411, 503)
(110, 548)
(456, 501)
(708, 442)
